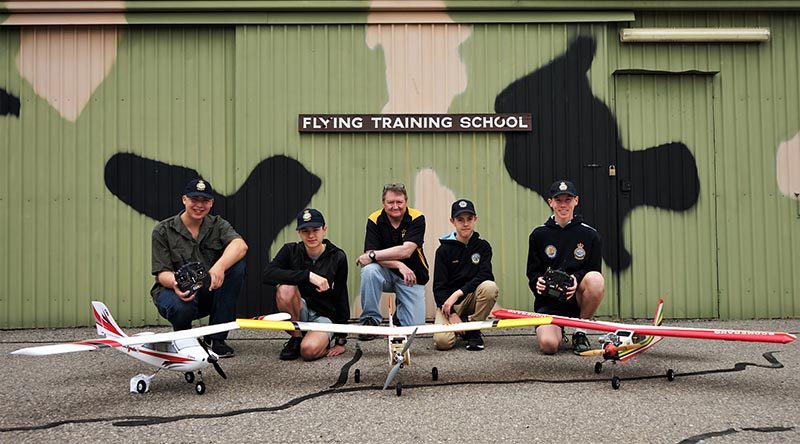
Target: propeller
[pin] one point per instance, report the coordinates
(213, 359)
(610, 349)
(401, 358)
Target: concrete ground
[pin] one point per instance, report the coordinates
(724, 392)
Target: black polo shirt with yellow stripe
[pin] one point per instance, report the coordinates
(382, 235)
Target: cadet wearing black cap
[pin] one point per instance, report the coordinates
(311, 281)
(463, 283)
(567, 244)
(196, 236)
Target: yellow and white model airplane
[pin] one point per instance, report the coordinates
(399, 338)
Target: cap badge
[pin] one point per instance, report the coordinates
(201, 186)
(306, 216)
(550, 251)
(462, 204)
(579, 252)
(562, 186)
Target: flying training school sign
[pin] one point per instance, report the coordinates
(412, 123)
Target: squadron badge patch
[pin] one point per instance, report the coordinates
(476, 258)
(550, 251)
(579, 252)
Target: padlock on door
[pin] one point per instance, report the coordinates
(612, 170)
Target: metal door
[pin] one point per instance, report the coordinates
(665, 201)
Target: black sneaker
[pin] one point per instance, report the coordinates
(370, 322)
(291, 349)
(474, 340)
(222, 349)
(580, 343)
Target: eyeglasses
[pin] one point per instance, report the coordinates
(394, 187)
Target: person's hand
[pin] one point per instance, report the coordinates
(570, 291)
(185, 296)
(408, 276)
(318, 281)
(447, 306)
(217, 277)
(363, 260)
(540, 286)
(336, 350)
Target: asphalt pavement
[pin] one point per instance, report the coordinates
(723, 392)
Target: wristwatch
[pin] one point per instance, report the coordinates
(372, 256)
(340, 340)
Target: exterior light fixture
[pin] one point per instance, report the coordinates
(672, 35)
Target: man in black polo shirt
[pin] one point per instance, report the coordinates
(393, 260)
(196, 236)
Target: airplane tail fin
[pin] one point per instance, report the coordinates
(105, 323)
(659, 316)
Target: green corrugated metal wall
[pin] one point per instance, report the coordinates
(220, 99)
(752, 92)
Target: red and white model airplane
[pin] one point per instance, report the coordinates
(624, 341)
(178, 351)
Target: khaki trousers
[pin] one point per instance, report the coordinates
(476, 306)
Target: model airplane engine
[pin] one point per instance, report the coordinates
(556, 283)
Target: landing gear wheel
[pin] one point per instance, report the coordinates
(141, 386)
(670, 375)
(189, 377)
(598, 367)
(399, 389)
(200, 388)
(615, 382)
(435, 374)
(357, 376)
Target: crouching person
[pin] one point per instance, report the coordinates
(311, 281)
(463, 283)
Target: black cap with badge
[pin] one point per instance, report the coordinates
(310, 218)
(462, 206)
(199, 188)
(563, 187)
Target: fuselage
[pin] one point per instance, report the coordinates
(182, 355)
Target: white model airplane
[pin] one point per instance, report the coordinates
(178, 351)
(399, 338)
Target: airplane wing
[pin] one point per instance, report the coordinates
(675, 332)
(96, 344)
(391, 331)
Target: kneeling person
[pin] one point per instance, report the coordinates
(463, 283)
(564, 242)
(311, 281)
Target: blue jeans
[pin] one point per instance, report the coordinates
(376, 279)
(219, 305)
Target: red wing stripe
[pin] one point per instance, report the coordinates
(100, 343)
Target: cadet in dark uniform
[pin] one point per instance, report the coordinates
(311, 281)
(565, 243)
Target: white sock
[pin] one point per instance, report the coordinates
(580, 330)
